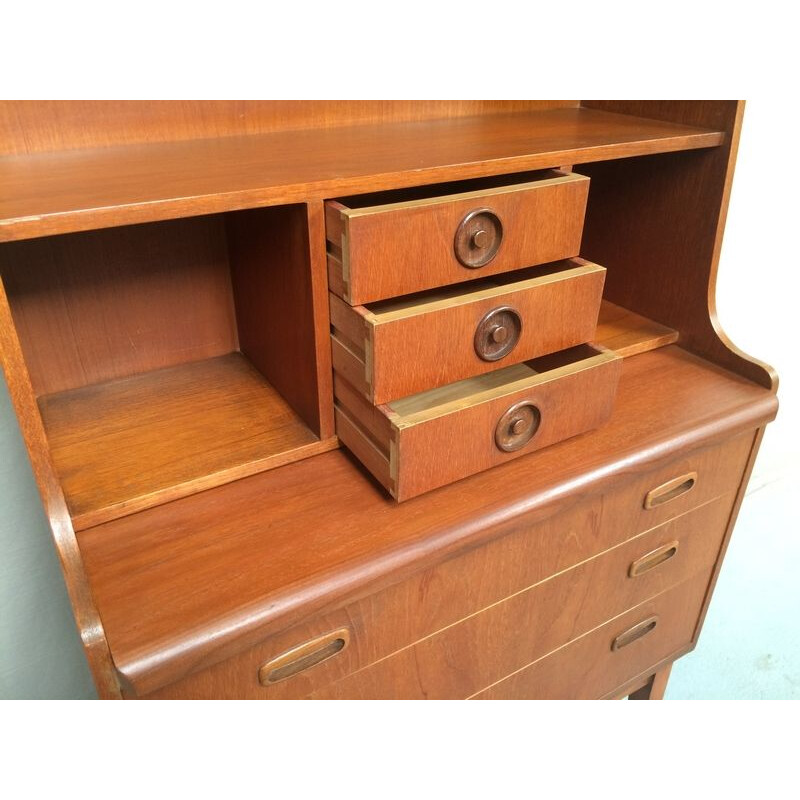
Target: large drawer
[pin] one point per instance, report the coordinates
(396, 348)
(462, 659)
(394, 243)
(525, 552)
(597, 663)
(433, 438)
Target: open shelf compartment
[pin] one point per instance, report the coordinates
(159, 354)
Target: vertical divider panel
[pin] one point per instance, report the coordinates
(276, 293)
(318, 254)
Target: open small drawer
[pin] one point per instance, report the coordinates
(389, 244)
(433, 438)
(395, 348)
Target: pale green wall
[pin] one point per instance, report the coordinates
(40, 650)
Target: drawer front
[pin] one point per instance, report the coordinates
(431, 439)
(396, 248)
(461, 660)
(530, 550)
(437, 437)
(596, 664)
(435, 448)
(392, 350)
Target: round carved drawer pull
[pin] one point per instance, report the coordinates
(497, 333)
(478, 238)
(517, 426)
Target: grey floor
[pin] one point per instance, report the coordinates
(750, 644)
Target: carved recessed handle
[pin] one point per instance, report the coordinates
(303, 657)
(478, 238)
(670, 490)
(497, 333)
(653, 559)
(631, 635)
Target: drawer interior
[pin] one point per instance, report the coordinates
(441, 435)
(471, 391)
(447, 190)
(447, 296)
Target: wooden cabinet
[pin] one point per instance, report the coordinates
(428, 407)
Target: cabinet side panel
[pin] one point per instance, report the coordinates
(747, 471)
(656, 224)
(86, 615)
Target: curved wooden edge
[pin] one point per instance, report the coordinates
(87, 618)
(148, 670)
(753, 368)
(710, 179)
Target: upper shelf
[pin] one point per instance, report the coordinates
(76, 190)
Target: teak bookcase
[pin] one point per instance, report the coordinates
(202, 300)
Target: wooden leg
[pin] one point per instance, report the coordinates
(654, 688)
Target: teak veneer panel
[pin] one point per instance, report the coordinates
(186, 584)
(107, 304)
(487, 646)
(627, 333)
(445, 434)
(588, 668)
(657, 225)
(136, 442)
(385, 246)
(398, 346)
(282, 324)
(32, 126)
(73, 190)
(536, 557)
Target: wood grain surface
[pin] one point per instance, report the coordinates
(318, 263)
(557, 307)
(484, 648)
(655, 687)
(445, 434)
(530, 565)
(87, 619)
(73, 190)
(109, 304)
(397, 248)
(587, 668)
(529, 554)
(294, 541)
(129, 444)
(446, 447)
(31, 126)
(657, 225)
(627, 333)
(274, 296)
(129, 338)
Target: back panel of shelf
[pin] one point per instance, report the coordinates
(169, 357)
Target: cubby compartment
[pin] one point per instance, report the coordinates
(168, 357)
